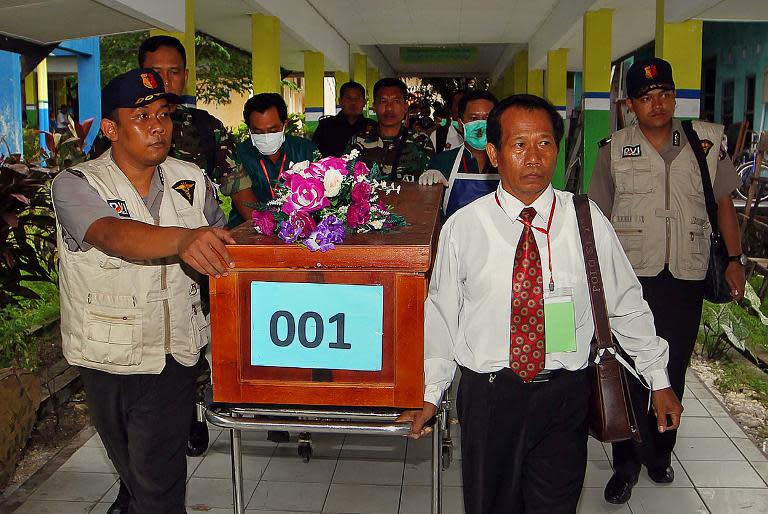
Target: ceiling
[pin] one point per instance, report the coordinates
(494, 30)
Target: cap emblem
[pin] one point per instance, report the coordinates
(148, 80)
(650, 71)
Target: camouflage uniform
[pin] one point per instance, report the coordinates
(201, 139)
(417, 150)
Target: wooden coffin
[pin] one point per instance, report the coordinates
(397, 262)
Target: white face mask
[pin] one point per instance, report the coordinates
(268, 144)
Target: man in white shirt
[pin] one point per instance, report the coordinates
(523, 414)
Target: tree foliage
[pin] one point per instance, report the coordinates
(439, 89)
(221, 68)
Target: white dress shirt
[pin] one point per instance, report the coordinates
(454, 139)
(468, 308)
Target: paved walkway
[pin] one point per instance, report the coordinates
(718, 470)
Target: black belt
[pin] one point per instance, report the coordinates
(545, 375)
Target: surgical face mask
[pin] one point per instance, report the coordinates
(474, 134)
(442, 122)
(456, 125)
(268, 144)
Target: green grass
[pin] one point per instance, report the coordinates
(16, 346)
(736, 374)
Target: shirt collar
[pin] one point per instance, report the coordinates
(512, 207)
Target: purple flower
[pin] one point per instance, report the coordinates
(358, 214)
(361, 192)
(288, 232)
(263, 222)
(329, 232)
(307, 195)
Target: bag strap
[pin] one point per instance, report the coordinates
(706, 181)
(603, 338)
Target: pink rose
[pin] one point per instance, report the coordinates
(335, 163)
(304, 223)
(361, 192)
(315, 170)
(360, 169)
(358, 214)
(307, 195)
(263, 222)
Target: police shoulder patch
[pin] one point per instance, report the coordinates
(120, 207)
(631, 151)
(706, 145)
(185, 188)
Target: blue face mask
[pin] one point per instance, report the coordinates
(456, 125)
(442, 122)
(474, 134)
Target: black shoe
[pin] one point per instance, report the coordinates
(662, 476)
(618, 489)
(121, 502)
(198, 439)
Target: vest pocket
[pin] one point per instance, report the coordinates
(112, 334)
(699, 250)
(200, 328)
(631, 240)
(634, 176)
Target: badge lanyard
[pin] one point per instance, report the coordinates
(279, 173)
(543, 231)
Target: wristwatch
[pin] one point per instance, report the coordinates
(741, 259)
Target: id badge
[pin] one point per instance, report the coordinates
(559, 320)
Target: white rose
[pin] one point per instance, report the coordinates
(300, 166)
(377, 224)
(332, 182)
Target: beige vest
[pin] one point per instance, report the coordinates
(659, 215)
(124, 316)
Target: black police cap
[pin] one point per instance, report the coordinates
(135, 88)
(647, 74)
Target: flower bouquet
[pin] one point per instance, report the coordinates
(316, 204)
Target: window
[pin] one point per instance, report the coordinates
(749, 100)
(726, 116)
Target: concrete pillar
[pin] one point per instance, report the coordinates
(372, 76)
(360, 70)
(10, 103)
(521, 72)
(535, 84)
(556, 92)
(43, 122)
(265, 53)
(314, 88)
(187, 39)
(89, 85)
(342, 77)
(597, 86)
(680, 45)
(30, 93)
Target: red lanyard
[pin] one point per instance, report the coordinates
(279, 173)
(464, 163)
(543, 231)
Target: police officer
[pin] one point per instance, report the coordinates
(466, 170)
(648, 183)
(131, 314)
(333, 133)
(400, 152)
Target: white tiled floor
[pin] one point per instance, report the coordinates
(718, 470)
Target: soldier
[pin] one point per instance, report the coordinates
(401, 153)
(333, 133)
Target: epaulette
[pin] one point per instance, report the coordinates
(603, 142)
(75, 172)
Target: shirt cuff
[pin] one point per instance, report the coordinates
(657, 379)
(433, 394)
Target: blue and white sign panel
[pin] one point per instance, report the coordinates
(325, 326)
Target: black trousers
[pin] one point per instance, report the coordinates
(676, 307)
(143, 421)
(524, 446)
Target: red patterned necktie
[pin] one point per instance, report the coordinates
(526, 334)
